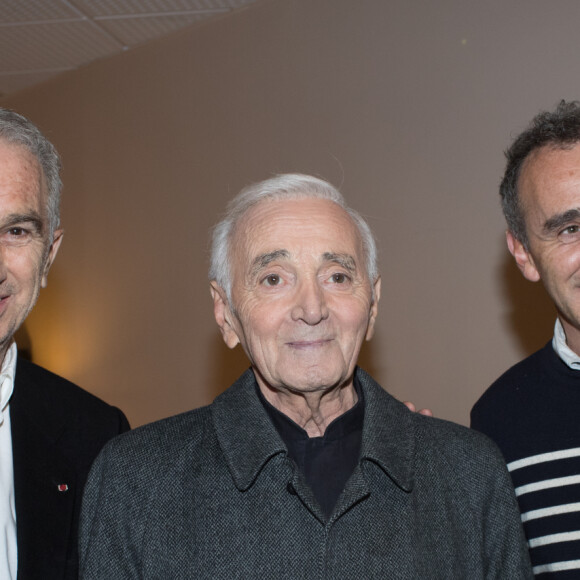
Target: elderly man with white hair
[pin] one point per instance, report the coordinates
(305, 467)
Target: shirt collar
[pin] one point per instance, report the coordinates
(249, 439)
(7, 373)
(562, 349)
(341, 426)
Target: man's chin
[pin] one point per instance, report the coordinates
(313, 382)
(7, 332)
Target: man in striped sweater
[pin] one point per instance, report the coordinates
(533, 410)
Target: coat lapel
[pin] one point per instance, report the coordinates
(44, 483)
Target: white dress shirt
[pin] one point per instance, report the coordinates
(562, 349)
(8, 553)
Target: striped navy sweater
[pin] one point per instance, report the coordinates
(532, 412)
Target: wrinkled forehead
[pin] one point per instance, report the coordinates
(549, 181)
(20, 164)
(298, 226)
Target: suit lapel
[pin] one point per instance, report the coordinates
(43, 510)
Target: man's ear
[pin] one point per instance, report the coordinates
(223, 314)
(523, 258)
(374, 309)
(52, 251)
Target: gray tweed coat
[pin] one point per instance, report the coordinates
(212, 494)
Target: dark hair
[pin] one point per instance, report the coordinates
(559, 129)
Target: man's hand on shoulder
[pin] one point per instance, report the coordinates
(411, 407)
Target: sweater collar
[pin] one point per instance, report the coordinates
(249, 440)
(562, 349)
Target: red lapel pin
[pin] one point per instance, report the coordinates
(62, 487)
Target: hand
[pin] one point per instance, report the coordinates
(426, 412)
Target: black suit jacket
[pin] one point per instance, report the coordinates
(57, 431)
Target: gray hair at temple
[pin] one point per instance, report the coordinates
(285, 186)
(559, 129)
(18, 130)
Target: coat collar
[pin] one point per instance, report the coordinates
(249, 439)
(388, 433)
(35, 406)
(44, 515)
(247, 436)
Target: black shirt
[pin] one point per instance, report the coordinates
(328, 461)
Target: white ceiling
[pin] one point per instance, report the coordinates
(43, 38)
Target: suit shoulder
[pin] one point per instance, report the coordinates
(449, 436)
(51, 400)
(148, 456)
(165, 438)
(467, 453)
(37, 378)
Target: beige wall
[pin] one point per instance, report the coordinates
(406, 105)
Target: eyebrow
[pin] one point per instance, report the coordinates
(344, 260)
(556, 222)
(32, 218)
(262, 261)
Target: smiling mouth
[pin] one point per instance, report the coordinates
(3, 302)
(305, 344)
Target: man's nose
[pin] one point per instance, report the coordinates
(310, 305)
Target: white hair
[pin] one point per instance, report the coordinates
(285, 186)
(19, 131)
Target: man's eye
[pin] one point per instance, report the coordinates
(570, 233)
(339, 278)
(15, 236)
(271, 280)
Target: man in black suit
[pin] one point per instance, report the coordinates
(50, 429)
